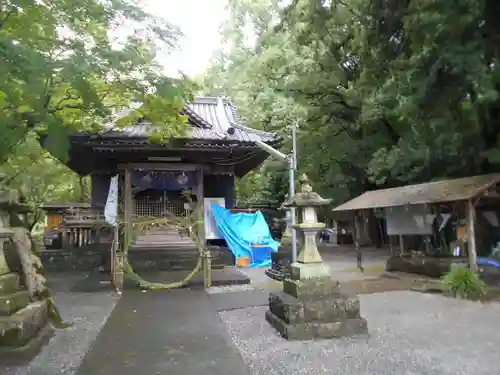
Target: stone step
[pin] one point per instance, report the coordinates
(175, 259)
(13, 302)
(9, 283)
(64, 260)
(19, 328)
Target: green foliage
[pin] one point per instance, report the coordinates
(69, 65)
(267, 185)
(386, 92)
(39, 178)
(464, 283)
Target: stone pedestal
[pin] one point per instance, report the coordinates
(23, 322)
(314, 308)
(5, 234)
(311, 304)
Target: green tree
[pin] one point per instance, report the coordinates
(38, 178)
(69, 65)
(386, 92)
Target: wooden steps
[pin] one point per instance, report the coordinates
(162, 239)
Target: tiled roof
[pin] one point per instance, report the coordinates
(210, 118)
(459, 189)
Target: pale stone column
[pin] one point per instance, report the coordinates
(5, 234)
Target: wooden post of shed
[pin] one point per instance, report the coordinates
(471, 235)
(359, 256)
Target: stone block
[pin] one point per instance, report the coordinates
(318, 330)
(9, 283)
(318, 288)
(334, 309)
(305, 271)
(17, 330)
(13, 302)
(427, 266)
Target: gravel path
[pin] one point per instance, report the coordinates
(87, 312)
(410, 334)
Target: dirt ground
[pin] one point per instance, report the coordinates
(387, 282)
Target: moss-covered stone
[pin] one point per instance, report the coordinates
(312, 288)
(17, 329)
(9, 283)
(427, 266)
(13, 302)
(318, 330)
(334, 309)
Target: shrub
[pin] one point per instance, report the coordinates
(464, 283)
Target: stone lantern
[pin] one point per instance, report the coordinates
(307, 202)
(311, 304)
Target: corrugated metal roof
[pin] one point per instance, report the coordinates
(210, 117)
(431, 192)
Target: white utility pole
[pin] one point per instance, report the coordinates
(292, 165)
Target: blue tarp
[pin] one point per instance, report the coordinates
(246, 234)
(492, 262)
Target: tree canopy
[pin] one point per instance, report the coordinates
(386, 92)
(67, 65)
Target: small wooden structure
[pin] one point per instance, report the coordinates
(77, 222)
(462, 196)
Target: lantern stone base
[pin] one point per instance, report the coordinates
(314, 307)
(24, 325)
(306, 271)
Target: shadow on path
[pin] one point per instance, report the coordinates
(174, 333)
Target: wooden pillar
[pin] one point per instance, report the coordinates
(357, 235)
(356, 231)
(200, 197)
(80, 237)
(128, 208)
(207, 261)
(471, 235)
(65, 239)
(118, 258)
